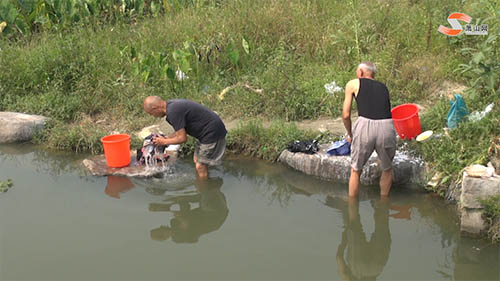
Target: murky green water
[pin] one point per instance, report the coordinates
(252, 221)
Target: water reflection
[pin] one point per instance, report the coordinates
(54, 163)
(268, 178)
(364, 259)
(195, 211)
(117, 185)
(188, 223)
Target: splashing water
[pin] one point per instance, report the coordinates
(155, 160)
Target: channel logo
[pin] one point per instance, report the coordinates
(456, 28)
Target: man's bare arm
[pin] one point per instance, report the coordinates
(176, 138)
(346, 109)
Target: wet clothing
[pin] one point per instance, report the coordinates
(369, 135)
(374, 128)
(198, 121)
(373, 100)
(210, 154)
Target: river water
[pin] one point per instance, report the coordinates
(251, 221)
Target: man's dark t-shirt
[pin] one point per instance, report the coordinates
(198, 121)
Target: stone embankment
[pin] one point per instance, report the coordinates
(406, 169)
(474, 189)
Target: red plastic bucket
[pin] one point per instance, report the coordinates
(406, 120)
(116, 150)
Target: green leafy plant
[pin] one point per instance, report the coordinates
(6, 185)
(483, 68)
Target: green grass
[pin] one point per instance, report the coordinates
(253, 139)
(294, 48)
(468, 144)
(492, 206)
(492, 211)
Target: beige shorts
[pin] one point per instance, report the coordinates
(211, 153)
(369, 135)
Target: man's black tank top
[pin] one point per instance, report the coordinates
(373, 100)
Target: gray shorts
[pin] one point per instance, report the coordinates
(369, 135)
(211, 153)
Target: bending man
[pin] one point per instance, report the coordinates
(190, 118)
(374, 129)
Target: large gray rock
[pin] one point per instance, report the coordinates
(97, 167)
(471, 222)
(474, 189)
(19, 127)
(406, 169)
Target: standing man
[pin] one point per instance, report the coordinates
(191, 118)
(374, 129)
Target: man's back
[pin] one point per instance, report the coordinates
(198, 121)
(373, 100)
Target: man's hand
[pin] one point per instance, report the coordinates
(159, 140)
(176, 138)
(348, 138)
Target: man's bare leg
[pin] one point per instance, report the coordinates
(385, 182)
(354, 183)
(201, 169)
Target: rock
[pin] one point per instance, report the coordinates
(435, 180)
(478, 171)
(19, 127)
(406, 169)
(474, 189)
(453, 193)
(148, 131)
(471, 222)
(97, 167)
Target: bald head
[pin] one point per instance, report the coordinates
(366, 69)
(155, 106)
